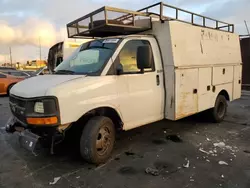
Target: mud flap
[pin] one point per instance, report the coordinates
(28, 140)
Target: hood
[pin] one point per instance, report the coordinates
(37, 86)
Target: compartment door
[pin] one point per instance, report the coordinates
(222, 75)
(205, 89)
(186, 92)
(237, 82)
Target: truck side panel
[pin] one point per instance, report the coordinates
(198, 46)
(195, 91)
(207, 57)
(199, 63)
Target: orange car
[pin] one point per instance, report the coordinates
(7, 81)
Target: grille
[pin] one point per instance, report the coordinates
(17, 101)
(17, 107)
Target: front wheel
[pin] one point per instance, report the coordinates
(97, 140)
(219, 111)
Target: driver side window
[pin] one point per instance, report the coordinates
(2, 76)
(127, 57)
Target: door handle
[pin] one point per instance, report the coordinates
(158, 80)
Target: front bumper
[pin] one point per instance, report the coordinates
(27, 139)
(34, 138)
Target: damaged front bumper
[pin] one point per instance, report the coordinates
(34, 138)
(27, 139)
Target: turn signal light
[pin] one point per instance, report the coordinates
(42, 121)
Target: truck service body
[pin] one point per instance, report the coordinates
(171, 71)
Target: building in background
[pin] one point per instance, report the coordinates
(245, 52)
(32, 65)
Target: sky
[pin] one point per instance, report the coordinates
(23, 23)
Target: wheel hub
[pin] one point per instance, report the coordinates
(103, 140)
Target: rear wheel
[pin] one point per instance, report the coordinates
(97, 140)
(219, 111)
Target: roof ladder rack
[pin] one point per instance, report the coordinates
(108, 21)
(214, 24)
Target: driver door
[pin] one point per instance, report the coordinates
(140, 95)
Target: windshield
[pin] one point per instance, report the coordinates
(89, 58)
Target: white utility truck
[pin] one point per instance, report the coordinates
(140, 68)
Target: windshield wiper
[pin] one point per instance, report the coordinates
(64, 72)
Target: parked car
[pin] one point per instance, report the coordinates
(16, 73)
(7, 81)
(40, 71)
(30, 73)
(7, 68)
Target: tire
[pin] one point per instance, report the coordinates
(219, 111)
(9, 88)
(97, 140)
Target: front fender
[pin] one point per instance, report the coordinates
(78, 97)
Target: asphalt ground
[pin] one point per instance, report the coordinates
(189, 153)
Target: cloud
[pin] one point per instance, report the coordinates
(29, 32)
(2, 58)
(232, 11)
(23, 22)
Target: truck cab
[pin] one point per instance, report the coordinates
(131, 74)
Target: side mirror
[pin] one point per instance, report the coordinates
(144, 57)
(119, 69)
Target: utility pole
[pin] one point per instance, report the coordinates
(10, 58)
(40, 48)
(247, 27)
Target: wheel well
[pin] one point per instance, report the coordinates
(11, 85)
(8, 88)
(103, 111)
(225, 94)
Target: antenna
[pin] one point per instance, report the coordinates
(247, 27)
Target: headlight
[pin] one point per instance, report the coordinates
(39, 108)
(42, 111)
(42, 107)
